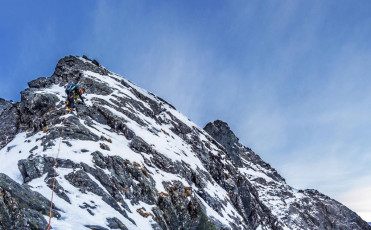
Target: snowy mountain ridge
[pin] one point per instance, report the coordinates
(130, 160)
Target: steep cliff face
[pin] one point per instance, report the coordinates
(9, 120)
(129, 160)
(295, 209)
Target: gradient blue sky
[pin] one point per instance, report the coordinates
(292, 78)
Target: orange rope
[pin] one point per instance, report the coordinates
(55, 174)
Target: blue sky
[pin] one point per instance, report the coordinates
(292, 78)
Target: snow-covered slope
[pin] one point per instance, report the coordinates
(129, 160)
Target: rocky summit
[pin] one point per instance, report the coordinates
(127, 159)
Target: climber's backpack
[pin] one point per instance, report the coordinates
(71, 87)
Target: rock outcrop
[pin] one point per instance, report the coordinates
(21, 208)
(9, 120)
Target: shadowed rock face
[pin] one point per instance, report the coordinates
(221, 132)
(308, 209)
(9, 120)
(129, 158)
(21, 208)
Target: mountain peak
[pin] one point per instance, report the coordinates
(69, 70)
(222, 130)
(127, 159)
(223, 134)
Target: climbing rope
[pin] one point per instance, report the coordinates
(55, 174)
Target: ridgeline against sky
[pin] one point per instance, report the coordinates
(292, 78)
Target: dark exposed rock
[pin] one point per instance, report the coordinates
(42, 82)
(81, 180)
(58, 189)
(4, 105)
(33, 103)
(104, 146)
(9, 120)
(155, 107)
(36, 166)
(95, 62)
(21, 208)
(68, 70)
(31, 168)
(221, 132)
(75, 130)
(179, 127)
(115, 223)
(34, 148)
(139, 145)
(93, 87)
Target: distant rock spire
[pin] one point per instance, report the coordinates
(221, 132)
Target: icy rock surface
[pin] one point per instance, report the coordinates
(130, 160)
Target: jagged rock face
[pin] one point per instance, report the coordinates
(129, 160)
(21, 208)
(295, 209)
(220, 131)
(9, 120)
(240, 154)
